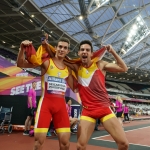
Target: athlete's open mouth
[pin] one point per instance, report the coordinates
(84, 57)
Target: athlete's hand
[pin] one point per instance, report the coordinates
(26, 43)
(76, 90)
(109, 48)
(46, 36)
(45, 42)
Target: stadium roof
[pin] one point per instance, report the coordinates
(125, 24)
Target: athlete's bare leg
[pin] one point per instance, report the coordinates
(39, 140)
(120, 121)
(64, 140)
(85, 130)
(114, 128)
(28, 123)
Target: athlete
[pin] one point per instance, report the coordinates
(92, 90)
(52, 103)
(95, 101)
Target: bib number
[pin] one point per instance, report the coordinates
(54, 86)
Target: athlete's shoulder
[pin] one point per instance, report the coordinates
(101, 64)
(45, 62)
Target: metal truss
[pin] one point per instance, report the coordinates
(51, 5)
(48, 18)
(112, 21)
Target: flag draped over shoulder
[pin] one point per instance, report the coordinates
(38, 57)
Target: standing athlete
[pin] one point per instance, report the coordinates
(52, 101)
(95, 101)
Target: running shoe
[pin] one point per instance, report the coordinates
(26, 132)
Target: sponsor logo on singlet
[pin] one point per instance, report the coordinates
(56, 85)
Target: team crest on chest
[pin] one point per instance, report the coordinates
(51, 67)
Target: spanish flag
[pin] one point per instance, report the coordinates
(38, 57)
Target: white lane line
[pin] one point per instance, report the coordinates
(129, 143)
(125, 131)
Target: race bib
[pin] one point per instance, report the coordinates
(56, 85)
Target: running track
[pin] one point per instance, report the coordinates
(137, 132)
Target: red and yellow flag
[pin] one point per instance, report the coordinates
(37, 58)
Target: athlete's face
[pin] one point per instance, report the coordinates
(85, 53)
(69, 102)
(34, 85)
(62, 49)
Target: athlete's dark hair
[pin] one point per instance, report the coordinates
(63, 39)
(86, 42)
(33, 82)
(68, 100)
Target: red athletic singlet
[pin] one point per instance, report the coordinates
(92, 88)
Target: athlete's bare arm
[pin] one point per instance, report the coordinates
(45, 43)
(21, 61)
(70, 81)
(44, 67)
(119, 66)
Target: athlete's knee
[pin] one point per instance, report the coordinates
(123, 145)
(64, 144)
(38, 144)
(39, 141)
(81, 145)
(64, 140)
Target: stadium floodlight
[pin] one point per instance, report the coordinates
(137, 33)
(21, 12)
(80, 17)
